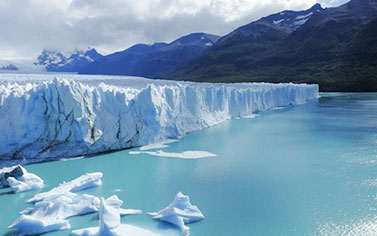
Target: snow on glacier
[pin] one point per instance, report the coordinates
(21, 182)
(179, 212)
(43, 117)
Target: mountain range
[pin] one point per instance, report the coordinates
(161, 60)
(152, 60)
(333, 47)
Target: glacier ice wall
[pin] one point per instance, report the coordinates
(49, 118)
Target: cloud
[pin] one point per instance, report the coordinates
(28, 26)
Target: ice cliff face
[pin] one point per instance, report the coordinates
(44, 118)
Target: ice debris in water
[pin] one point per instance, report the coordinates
(180, 212)
(109, 221)
(52, 208)
(160, 145)
(19, 179)
(50, 215)
(181, 155)
(89, 180)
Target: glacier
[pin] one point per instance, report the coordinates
(46, 117)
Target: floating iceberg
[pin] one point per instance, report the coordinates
(46, 118)
(180, 212)
(89, 180)
(109, 222)
(50, 215)
(164, 144)
(19, 180)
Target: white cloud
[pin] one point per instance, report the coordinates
(28, 26)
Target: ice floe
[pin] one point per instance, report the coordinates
(19, 179)
(252, 116)
(109, 222)
(51, 215)
(89, 180)
(53, 208)
(160, 145)
(182, 155)
(180, 212)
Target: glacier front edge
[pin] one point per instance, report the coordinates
(43, 117)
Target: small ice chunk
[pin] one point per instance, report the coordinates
(89, 180)
(109, 221)
(109, 215)
(29, 225)
(19, 179)
(122, 230)
(278, 108)
(50, 215)
(160, 145)
(252, 116)
(25, 183)
(13, 171)
(72, 158)
(91, 231)
(135, 152)
(180, 212)
(182, 155)
(130, 230)
(124, 212)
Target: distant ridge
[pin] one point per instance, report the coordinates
(152, 60)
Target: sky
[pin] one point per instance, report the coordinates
(29, 26)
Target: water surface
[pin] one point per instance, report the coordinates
(303, 170)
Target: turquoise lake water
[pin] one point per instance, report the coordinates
(302, 170)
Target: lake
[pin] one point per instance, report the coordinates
(303, 170)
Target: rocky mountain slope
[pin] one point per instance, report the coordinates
(335, 47)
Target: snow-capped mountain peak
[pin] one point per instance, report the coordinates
(291, 20)
(55, 61)
(285, 22)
